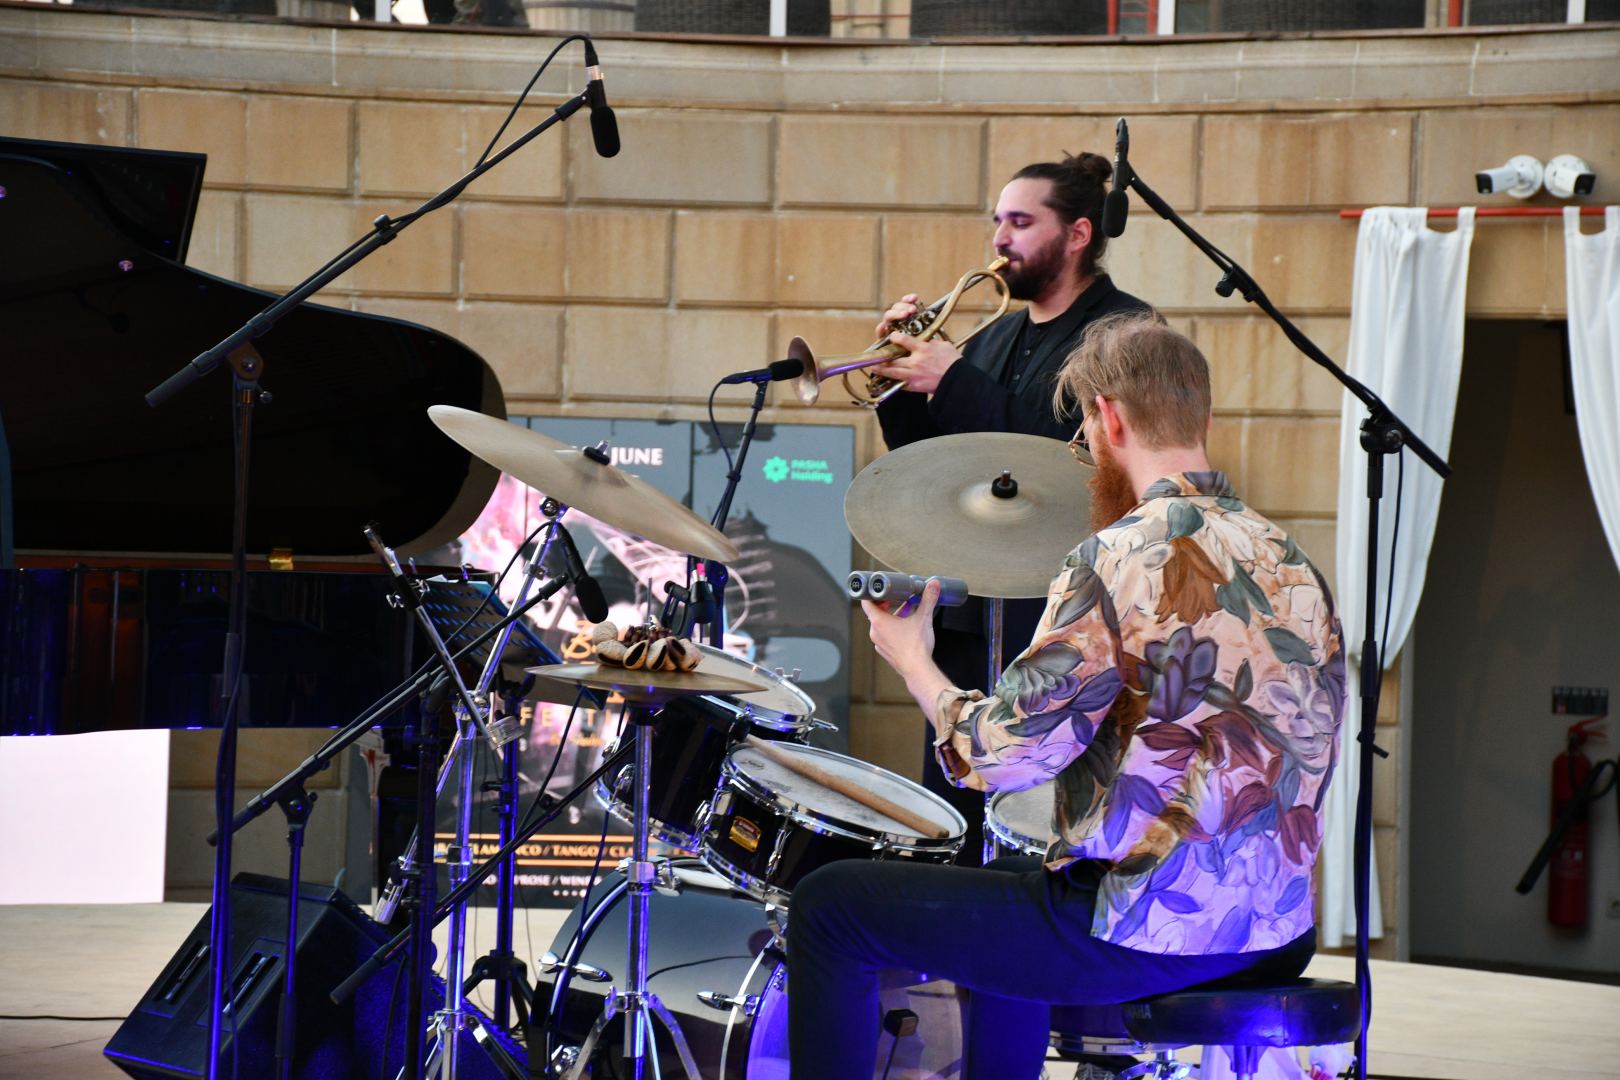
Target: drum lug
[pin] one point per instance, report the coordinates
(701, 821)
(775, 860)
(714, 999)
(551, 962)
(776, 919)
(817, 722)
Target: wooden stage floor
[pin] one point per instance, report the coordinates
(1429, 1022)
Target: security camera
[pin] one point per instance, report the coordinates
(1520, 178)
(1568, 175)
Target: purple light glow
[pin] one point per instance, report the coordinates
(126, 265)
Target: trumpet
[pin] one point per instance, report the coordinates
(927, 324)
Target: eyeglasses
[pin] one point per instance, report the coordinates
(1080, 447)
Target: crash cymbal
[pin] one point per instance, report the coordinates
(571, 476)
(938, 508)
(561, 683)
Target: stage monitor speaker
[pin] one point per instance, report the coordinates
(166, 1035)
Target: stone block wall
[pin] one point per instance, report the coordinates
(768, 190)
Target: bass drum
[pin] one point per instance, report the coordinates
(716, 963)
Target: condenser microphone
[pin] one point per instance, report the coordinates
(1116, 203)
(604, 125)
(587, 590)
(791, 368)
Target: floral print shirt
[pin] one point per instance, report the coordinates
(1184, 688)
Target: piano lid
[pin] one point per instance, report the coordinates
(97, 309)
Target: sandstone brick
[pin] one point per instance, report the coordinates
(263, 756)
(1226, 450)
(298, 144)
(214, 234)
(1303, 70)
(1164, 149)
(1517, 268)
(407, 149)
(1292, 466)
(980, 74)
(618, 255)
(827, 335)
(827, 261)
(905, 161)
(510, 251)
(889, 736)
(1583, 63)
(287, 236)
(650, 355)
(1387, 857)
(1386, 783)
(926, 255)
(677, 158)
(420, 263)
(65, 113)
(1456, 144)
(1330, 161)
(210, 123)
(724, 258)
(538, 171)
(1304, 264)
(1254, 367)
(1155, 262)
(522, 342)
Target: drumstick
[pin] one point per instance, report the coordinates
(848, 788)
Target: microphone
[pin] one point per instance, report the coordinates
(587, 590)
(1116, 203)
(791, 368)
(604, 125)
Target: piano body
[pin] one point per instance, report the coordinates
(114, 617)
(115, 518)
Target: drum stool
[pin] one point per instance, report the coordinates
(1246, 1019)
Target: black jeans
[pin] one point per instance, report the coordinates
(1018, 937)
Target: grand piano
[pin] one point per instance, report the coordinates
(115, 518)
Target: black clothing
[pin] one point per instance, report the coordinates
(995, 387)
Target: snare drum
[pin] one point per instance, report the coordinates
(691, 738)
(1021, 821)
(768, 826)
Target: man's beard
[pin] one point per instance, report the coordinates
(1031, 278)
(1112, 496)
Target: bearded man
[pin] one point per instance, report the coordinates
(1182, 693)
(1048, 222)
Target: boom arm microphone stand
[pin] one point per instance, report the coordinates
(247, 367)
(1382, 433)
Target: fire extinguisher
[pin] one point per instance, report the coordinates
(1576, 785)
(1569, 878)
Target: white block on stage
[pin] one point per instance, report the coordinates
(84, 817)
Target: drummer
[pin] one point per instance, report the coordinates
(1048, 222)
(1184, 688)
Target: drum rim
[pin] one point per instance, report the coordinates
(658, 830)
(799, 814)
(757, 712)
(1026, 845)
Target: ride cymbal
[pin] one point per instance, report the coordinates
(997, 510)
(569, 475)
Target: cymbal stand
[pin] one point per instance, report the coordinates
(638, 1005)
(448, 1022)
(995, 625)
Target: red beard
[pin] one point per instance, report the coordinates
(1112, 496)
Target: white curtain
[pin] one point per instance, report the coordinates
(1592, 273)
(1406, 335)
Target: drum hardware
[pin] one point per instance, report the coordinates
(551, 962)
(714, 999)
(643, 692)
(927, 324)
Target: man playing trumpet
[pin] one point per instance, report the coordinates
(1048, 223)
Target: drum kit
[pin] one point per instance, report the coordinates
(686, 958)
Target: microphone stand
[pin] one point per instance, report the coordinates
(247, 367)
(1382, 433)
(714, 571)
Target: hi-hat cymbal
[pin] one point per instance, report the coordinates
(561, 683)
(566, 474)
(937, 508)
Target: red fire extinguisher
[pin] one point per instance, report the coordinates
(1569, 874)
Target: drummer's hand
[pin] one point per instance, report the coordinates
(904, 638)
(924, 367)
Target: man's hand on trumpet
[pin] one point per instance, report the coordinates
(922, 369)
